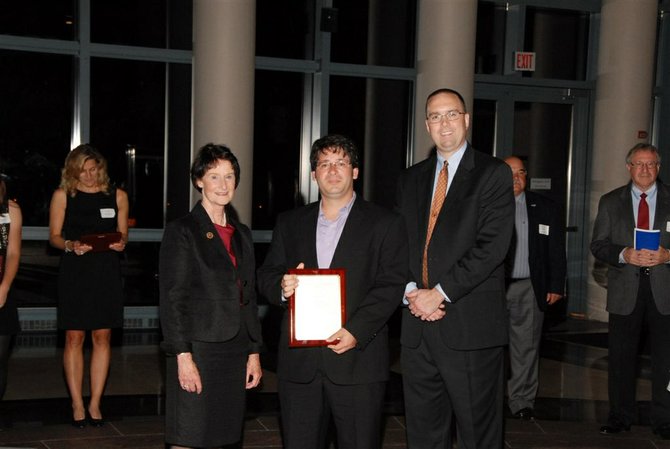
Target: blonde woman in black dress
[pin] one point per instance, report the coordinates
(89, 285)
(208, 311)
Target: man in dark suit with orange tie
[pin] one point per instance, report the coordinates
(459, 211)
(638, 296)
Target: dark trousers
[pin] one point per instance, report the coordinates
(441, 383)
(624, 339)
(306, 410)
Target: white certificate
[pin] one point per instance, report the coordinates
(317, 308)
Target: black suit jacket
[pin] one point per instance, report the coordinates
(612, 232)
(373, 251)
(200, 286)
(546, 248)
(467, 250)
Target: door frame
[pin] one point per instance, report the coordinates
(579, 167)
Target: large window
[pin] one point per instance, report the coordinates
(36, 108)
(113, 74)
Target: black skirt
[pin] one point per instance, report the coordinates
(214, 417)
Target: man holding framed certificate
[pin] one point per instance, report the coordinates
(348, 256)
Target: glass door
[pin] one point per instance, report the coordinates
(548, 129)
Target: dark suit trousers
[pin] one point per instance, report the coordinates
(624, 339)
(440, 383)
(306, 410)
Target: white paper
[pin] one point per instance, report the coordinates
(544, 229)
(317, 307)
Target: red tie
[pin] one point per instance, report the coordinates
(643, 213)
(438, 199)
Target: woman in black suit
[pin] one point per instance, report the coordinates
(208, 311)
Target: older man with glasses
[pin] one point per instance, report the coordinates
(638, 296)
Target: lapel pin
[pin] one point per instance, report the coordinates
(210, 235)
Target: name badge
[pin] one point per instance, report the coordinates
(544, 229)
(107, 212)
(667, 226)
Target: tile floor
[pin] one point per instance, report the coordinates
(572, 400)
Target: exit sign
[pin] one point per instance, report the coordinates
(524, 61)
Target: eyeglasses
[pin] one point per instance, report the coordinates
(648, 165)
(326, 165)
(436, 117)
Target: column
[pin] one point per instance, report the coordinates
(224, 39)
(622, 109)
(447, 32)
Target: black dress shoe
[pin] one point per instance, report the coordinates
(79, 423)
(525, 414)
(614, 427)
(663, 431)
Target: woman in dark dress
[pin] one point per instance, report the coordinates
(208, 311)
(10, 253)
(89, 283)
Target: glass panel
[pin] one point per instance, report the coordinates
(52, 19)
(490, 46)
(179, 141)
(560, 39)
(148, 23)
(374, 33)
(128, 127)
(285, 29)
(483, 124)
(35, 123)
(277, 133)
(375, 114)
(542, 139)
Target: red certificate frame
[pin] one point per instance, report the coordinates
(317, 308)
(100, 242)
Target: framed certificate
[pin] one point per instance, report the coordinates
(317, 308)
(100, 242)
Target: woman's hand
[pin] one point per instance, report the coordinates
(80, 248)
(189, 376)
(254, 371)
(118, 246)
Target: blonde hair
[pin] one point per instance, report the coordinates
(74, 164)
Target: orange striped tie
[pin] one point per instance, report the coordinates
(438, 200)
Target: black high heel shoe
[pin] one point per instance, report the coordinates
(95, 422)
(79, 423)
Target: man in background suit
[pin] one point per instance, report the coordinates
(346, 379)
(638, 293)
(455, 325)
(535, 268)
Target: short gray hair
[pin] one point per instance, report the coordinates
(643, 147)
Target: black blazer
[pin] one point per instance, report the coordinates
(467, 250)
(373, 251)
(546, 253)
(546, 248)
(200, 287)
